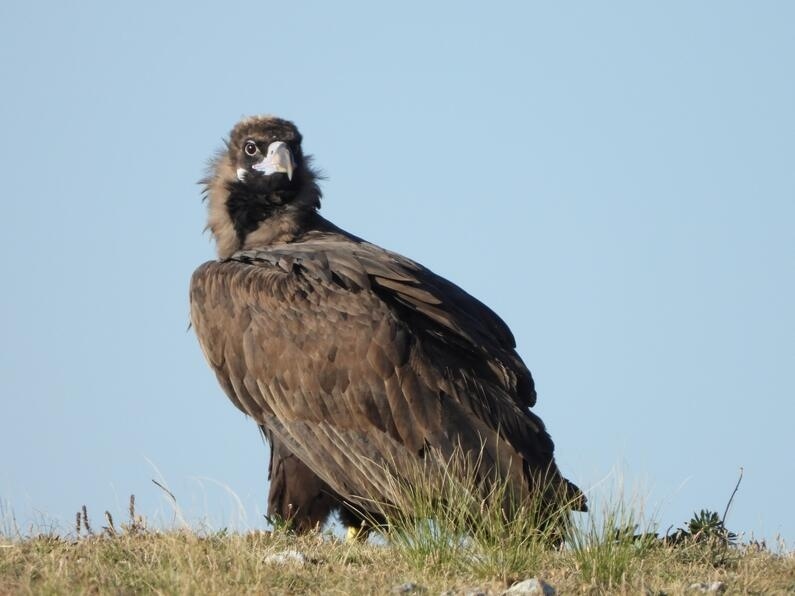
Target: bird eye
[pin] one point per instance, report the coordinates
(250, 148)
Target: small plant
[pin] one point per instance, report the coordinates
(705, 537)
(137, 524)
(279, 524)
(704, 526)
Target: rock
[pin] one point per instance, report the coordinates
(711, 588)
(287, 557)
(407, 588)
(530, 587)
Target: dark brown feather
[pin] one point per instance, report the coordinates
(415, 362)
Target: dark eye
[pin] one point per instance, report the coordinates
(250, 148)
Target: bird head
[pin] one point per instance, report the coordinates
(261, 186)
(265, 152)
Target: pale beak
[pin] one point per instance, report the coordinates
(278, 159)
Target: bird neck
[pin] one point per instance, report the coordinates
(241, 219)
(283, 224)
(249, 211)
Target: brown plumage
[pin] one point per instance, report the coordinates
(353, 359)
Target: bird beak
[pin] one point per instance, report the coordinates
(278, 159)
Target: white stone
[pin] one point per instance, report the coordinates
(287, 557)
(528, 587)
(712, 588)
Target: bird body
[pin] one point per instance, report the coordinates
(357, 362)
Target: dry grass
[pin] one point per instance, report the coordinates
(457, 540)
(184, 562)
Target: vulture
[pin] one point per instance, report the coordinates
(359, 365)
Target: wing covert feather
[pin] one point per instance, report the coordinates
(350, 354)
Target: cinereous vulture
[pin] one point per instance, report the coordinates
(356, 362)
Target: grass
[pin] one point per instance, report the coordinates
(452, 521)
(180, 562)
(607, 549)
(457, 540)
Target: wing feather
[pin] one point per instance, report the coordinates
(356, 358)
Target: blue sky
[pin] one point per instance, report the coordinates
(615, 179)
